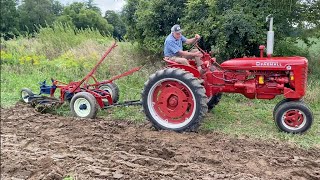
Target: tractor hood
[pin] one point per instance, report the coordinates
(272, 63)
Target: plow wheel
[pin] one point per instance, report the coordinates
(113, 89)
(84, 105)
(293, 117)
(174, 99)
(25, 94)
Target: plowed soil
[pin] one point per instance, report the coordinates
(46, 146)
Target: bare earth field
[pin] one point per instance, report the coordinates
(46, 146)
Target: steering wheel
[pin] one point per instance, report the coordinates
(194, 43)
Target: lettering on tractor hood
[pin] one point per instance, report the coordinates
(268, 64)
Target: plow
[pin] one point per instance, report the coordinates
(85, 99)
(178, 96)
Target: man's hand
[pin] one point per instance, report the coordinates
(193, 40)
(198, 54)
(197, 36)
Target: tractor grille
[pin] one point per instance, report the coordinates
(304, 77)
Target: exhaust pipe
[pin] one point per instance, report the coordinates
(270, 36)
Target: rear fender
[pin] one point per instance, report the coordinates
(190, 69)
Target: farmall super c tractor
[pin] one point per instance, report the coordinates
(178, 97)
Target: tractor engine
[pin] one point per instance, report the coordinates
(261, 78)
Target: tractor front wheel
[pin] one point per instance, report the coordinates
(84, 105)
(293, 117)
(174, 99)
(279, 104)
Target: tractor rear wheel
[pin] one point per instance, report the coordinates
(25, 94)
(112, 89)
(293, 117)
(174, 99)
(84, 105)
(213, 101)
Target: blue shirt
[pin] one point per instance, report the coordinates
(173, 45)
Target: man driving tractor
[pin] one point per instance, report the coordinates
(173, 49)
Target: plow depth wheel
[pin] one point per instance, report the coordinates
(174, 99)
(112, 89)
(25, 94)
(84, 105)
(293, 117)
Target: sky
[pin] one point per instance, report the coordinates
(115, 5)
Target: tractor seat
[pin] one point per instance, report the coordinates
(170, 62)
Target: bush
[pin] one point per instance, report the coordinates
(289, 47)
(314, 54)
(60, 38)
(7, 58)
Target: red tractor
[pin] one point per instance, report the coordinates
(177, 97)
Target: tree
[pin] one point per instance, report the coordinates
(308, 18)
(38, 13)
(150, 21)
(9, 20)
(90, 5)
(236, 28)
(233, 28)
(119, 27)
(79, 15)
(130, 20)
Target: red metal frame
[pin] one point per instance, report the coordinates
(82, 86)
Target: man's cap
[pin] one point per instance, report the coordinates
(176, 28)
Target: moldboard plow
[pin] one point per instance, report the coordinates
(84, 98)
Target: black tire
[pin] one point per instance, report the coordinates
(25, 93)
(288, 112)
(213, 101)
(113, 89)
(79, 105)
(279, 104)
(174, 99)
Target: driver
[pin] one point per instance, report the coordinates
(173, 47)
